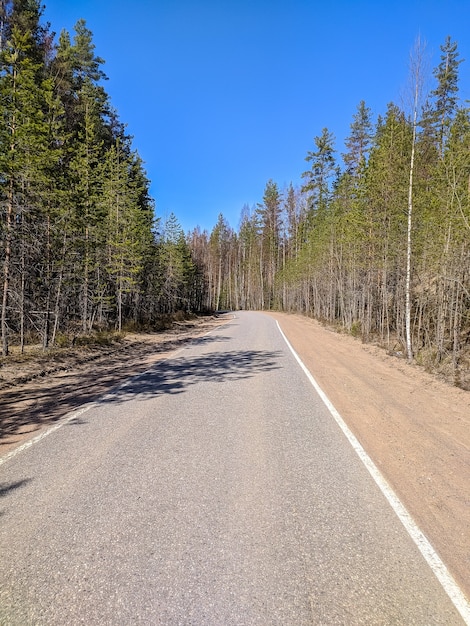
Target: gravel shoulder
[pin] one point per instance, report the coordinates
(415, 427)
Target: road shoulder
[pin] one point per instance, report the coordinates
(414, 427)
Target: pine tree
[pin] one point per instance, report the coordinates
(126, 236)
(358, 142)
(382, 226)
(88, 141)
(177, 267)
(445, 95)
(250, 260)
(319, 176)
(220, 267)
(269, 216)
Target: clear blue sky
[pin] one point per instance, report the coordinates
(222, 95)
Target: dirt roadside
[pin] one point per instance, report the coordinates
(56, 385)
(414, 427)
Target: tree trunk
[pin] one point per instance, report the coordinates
(409, 348)
(6, 269)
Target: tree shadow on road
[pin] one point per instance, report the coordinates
(7, 488)
(176, 375)
(24, 409)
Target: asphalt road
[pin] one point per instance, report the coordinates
(215, 489)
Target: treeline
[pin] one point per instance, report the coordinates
(376, 242)
(79, 243)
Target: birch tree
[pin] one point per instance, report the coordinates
(417, 78)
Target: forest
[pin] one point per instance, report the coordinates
(374, 241)
(81, 247)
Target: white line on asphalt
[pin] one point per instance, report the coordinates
(45, 433)
(434, 561)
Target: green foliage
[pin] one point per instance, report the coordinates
(445, 95)
(338, 249)
(78, 231)
(358, 143)
(318, 177)
(81, 247)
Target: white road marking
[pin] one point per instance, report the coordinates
(432, 558)
(45, 433)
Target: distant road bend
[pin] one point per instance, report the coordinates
(215, 489)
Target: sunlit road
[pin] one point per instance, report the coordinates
(215, 489)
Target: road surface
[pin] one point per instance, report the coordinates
(215, 489)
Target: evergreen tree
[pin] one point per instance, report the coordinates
(269, 216)
(177, 268)
(445, 95)
(358, 142)
(250, 260)
(319, 176)
(24, 154)
(126, 233)
(220, 267)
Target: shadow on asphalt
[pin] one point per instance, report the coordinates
(48, 401)
(176, 375)
(7, 488)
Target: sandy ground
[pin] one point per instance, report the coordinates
(415, 427)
